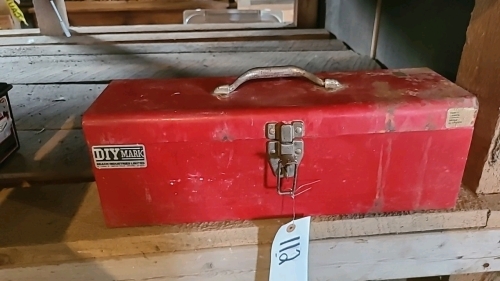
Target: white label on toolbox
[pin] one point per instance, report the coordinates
(119, 156)
(460, 117)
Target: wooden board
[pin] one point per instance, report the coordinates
(493, 203)
(48, 120)
(37, 107)
(306, 13)
(487, 276)
(158, 48)
(106, 13)
(367, 258)
(122, 6)
(245, 35)
(151, 28)
(63, 223)
(49, 156)
(477, 74)
(53, 69)
(47, 20)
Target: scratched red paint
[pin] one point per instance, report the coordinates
(378, 145)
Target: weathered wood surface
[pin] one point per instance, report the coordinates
(106, 13)
(367, 258)
(88, 30)
(49, 107)
(493, 203)
(48, 119)
(306, 13)
(245, 35)
(54, 69)
(47, 20)
(124, 6)
(479, 75)
(158, 48)
(50, 156)
(487, 276)
(62, 223)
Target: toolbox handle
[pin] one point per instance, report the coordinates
(274, 72)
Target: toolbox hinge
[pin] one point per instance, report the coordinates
(285, 150)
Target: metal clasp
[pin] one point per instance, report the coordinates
(285, 150)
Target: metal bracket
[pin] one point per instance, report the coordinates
(285, 150)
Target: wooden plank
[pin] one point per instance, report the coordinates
(122, 6)
(47, 19)
(105, 13)
(477, 74)
(157, 48)
(37, 107)
(53, 69)
(306, 13)
(352, 22)
(367, 258)
(6, 22)
(246, 35)
(69, 226)
(488, 276)
(493, 203)
(153, 28)
(49, 156)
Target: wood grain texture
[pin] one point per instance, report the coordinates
(306, 13)
(47, 20)
(478, 75)
(367, 258)
(69, 226)
(88, 30)
(245, 35)
(122, 6)
(106, 13)
(37, 107)
(158, 48)
(488, 276)
(53, 69)
(352, 22)
(493, 203)
(49, 156)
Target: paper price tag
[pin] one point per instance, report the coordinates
(290, 251)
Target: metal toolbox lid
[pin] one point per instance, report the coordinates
(379, 101)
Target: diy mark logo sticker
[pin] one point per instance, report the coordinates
(119, 156)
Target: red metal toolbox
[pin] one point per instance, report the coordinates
(211, 149)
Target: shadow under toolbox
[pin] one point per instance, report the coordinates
(9, 142)
(211, 149)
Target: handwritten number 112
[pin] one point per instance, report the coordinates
(289, 244)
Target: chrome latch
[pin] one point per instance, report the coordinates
(285, 149)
